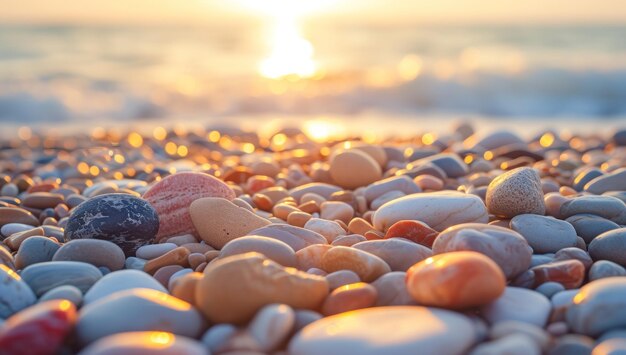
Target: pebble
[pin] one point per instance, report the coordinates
(550, 288)
(35, 250)
(615, 346)
(349, 298)
(608, 207)
(367, 332)
(163, 275)
(439, 210)
(341, 278)
(219, 221)
(575, 254)
(348, 240)
(138, 309)
(514, 344)
(604, 268)
(344, 165)
(12, 228)
(92, 251)
(296, 237)
(67, 292)
(535, 333)
(184, 287)
(120, 281)
(321, 189)
(392, 290)
(515, 192)
(456, 280)
(493, 140)
(544, 234)
(415, 231)
(271, 326)
(153, 251)
(504, 246)
(40, 329)
(569, 273)
(598, 307)
(572, 344)
(125, 220)
(172, 196)
(332, 210)
(615, 181)
(400, 254)
(589, 226)
(42, 200)
(584, 176)
(178, 256)
(610, 246)
(401, 183)
(368, 266)
(43, 277)
(330, 230)
(451, 164)
(273, 249)
(160, 343)
(311, 256)
(16, 215)
(15, 294)
(518, 304)
(134, 263)
(258, 282)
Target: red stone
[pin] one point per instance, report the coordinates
(38, 330)
(415, 231)
(258, 183)
(43, 187)
(172, 196)
(569, 273)
(238, 175)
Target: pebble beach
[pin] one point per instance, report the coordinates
(228, 241)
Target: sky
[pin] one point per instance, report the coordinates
(200, 12)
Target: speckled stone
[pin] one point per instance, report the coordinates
(544, 234)
(610, 246)
(598, 307)
(43, 277)
(515, 192)
(125, 220)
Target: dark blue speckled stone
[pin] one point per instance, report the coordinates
(125, 220)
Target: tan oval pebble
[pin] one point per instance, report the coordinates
(312, 197)
(429, 182)
(352, 168)
(177, 256)
(311, 256)
(309, 207)
(329, 229)
(349, 298)
(211, 254)
(392, 290)
(200, 248)
(42, 200)
(275, 193)
(17, 215)
(333, 210)
(456, 280)
(399, 253)
(184, 287)
(369, 267)
(201, 267)
(342, 277)
(195, 259)
(273, 249)
(93, 251)
(272, 325)
(15, 240)
(359, 226)
(219, 221)
(296, 237)
(348, 240)
(235, 288)
(283, 210)
(298, 219)
(263, 202)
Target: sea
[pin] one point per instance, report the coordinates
(78, 75)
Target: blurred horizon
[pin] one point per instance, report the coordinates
(78, 62)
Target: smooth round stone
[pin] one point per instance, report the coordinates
(311, 256)
(184, 287)
(401, 183)
(506, 247)
(333, 210)
(35, 250)
(341, 278)
(368, 266)
(137, 309)
(537, 260)
(609, 207)
(135, 263)
(603, 268)
(392, 291)
(400, 254)
(344, 165)
(615, 346)
(456, 280)
(15, 294)
(349, 298)
(43, 277)
(583, 177)
(172, 196)
(235, 288)
(569, 273)
(218, 221)
(589, 226)
(550, 288)
(12, 228)
(272, 325)
(330, 230)
(296, 237)
(535, 333)
(92, 251)
(6, 258)
(67, 292)
(439, 210)
(125, 220)
(450, 163)
(574, 254)
(415, 231)
(272, 248)
(514, 344)
(515, 192)
(153, 251)
(518, 304)
(366, 332)
(42, 200)
(121, 281)
(493, 140)
(610, 246)
(572, 344)
(140, 343)
(598, 307)
(9, 189)
(544, 234)
(389, 196)
(17, 215)
(163, 274)
(322, 189)
(615, 181)
(40, 329)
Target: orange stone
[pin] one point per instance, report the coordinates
(456, 280)
(569, 273)
(416, 231)
(349, 298)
